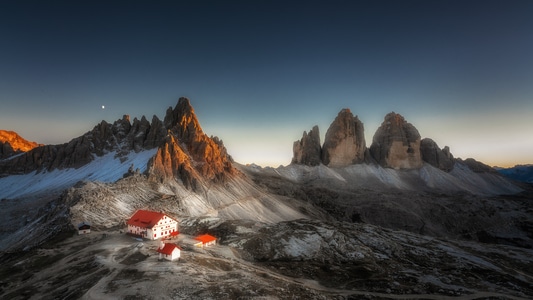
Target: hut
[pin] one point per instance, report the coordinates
(151, 225)
(205, 240)
(84, 228)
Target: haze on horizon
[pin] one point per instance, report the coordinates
(260, 73)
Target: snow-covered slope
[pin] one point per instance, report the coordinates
(106, 168)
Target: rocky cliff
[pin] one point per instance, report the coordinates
(433, 155)
(187, 153)
(396, 144)
(307, 151)
(344, 143)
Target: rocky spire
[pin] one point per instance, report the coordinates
(307, 150)
(396, 144)
(344, 143)
(433, 155)
(187, 153)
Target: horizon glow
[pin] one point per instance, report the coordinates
(259, 74)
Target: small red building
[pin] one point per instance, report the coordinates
(205, 240)
(169, 251)
(151, 224)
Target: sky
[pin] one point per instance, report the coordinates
(259, 73)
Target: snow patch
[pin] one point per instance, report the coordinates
(106, 168)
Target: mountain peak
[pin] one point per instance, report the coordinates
(396, 143)
(188, 153)
(11, 143)
(344, 143)
(307, 150)
(16, 141)
(182, 121)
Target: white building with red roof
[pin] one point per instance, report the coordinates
(152, 225)
(169, 251)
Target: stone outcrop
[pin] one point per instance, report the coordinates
(344, 143)
(433, 155)
(396, 144)
(188, 154)
(307, 151)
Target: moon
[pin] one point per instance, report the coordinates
(103, 106)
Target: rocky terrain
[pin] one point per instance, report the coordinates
(303, 259)
(400, 219)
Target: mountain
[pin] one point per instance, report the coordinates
(345, 141)
(11, 143)
(523, 173)
(396, 144)
(341, 221)
(173, 161)
(188, 153)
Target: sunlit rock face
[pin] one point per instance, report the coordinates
(433, 155)
(307, 150)
(187, 153)
(396, 144)
(11, 143)
(344, 143)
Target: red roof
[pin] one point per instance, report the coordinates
(168, 249)
(205, 238)
(145, 218)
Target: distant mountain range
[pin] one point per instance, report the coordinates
(523, 173)
(184, 153)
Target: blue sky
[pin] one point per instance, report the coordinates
(259, 73)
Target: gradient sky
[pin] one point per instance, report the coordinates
(259, 73)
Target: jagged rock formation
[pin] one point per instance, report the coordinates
(433, 155)
(187, 153)
(396, 144)
(122, 136)
(11, 143)
(307, 151)
(344, 143)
